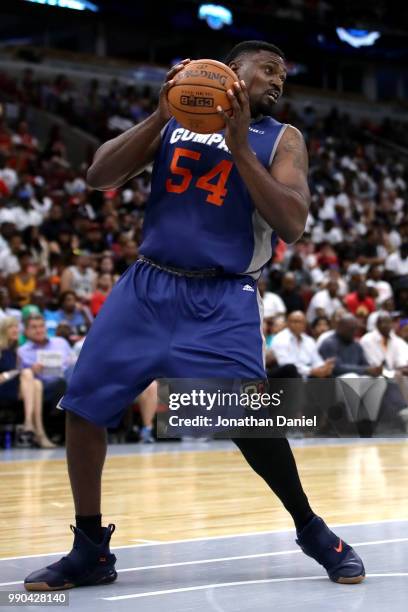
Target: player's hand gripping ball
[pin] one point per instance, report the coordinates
(198, 89)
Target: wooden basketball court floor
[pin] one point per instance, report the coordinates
(198, 530)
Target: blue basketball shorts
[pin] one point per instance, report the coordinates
(156, 324)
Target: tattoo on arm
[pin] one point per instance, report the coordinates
(294, 147)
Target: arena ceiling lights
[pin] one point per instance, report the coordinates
(76, 5)
(357, 38)
(215, 15)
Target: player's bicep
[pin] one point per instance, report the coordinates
(290, 164)
(149, 158)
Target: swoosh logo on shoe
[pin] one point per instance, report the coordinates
(339, 548)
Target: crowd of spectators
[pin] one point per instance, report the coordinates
(63, 245)
(98, 107)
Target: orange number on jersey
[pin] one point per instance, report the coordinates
(184, 172)
(217, 190)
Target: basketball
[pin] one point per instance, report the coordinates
(198, 89)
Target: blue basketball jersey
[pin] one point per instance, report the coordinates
(200, 213)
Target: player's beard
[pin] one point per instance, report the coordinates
(262, 107)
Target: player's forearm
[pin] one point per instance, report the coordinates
(283, 208)
(122, 157)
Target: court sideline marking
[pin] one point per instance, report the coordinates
(236, 558)
(221, 585)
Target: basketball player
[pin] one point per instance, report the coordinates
(188, 308)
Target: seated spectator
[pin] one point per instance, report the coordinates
(290, 294)
(9, 256)
(5, 309)
(54, 225)
(348, 354)
(301, 273)
(271, 327)
(128, 256)
(23, 211)
(94, 239)
(396, 264)
(383, 348)
(319, 326)
(333, 322)
(74, 313)
(324, 302)
(38, 248)
(384, 307)
(22, 284)
(107, 266)
(23, 137)
(50, 359)
(371, 251)
(358, 302)
(16, 383)
(7, 175)
(375, 279)
(351, 364)
(39, 305)
(293, 346)
(355, 276)
(326, 256)
(64, 331)
(79, 278)
(402, 330)
(103, 289)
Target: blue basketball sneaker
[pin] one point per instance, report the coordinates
(340, 561)
(87, 564)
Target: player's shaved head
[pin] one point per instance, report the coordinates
(252, 46)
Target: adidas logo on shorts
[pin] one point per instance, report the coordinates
(248, 288)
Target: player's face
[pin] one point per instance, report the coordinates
(264, 74)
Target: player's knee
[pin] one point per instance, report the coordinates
(75, 420)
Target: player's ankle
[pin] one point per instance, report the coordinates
(91, 526)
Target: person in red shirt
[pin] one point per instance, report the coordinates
(103, 288)
(4, 190)
(359, 303)
(5, 137)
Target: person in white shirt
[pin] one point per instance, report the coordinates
(23, 212)
(386, 307)
(383, 347)
(8, 259)
(374, 279)
(397, 263)
(324, 302)
(273, 304)
(8, 175)
(293, 346)
(79, 278)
